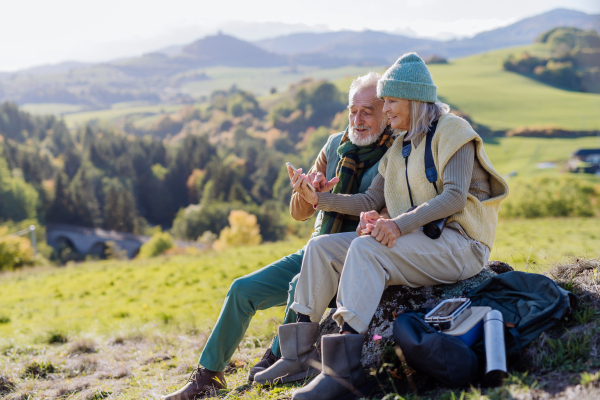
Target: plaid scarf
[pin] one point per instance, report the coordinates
(354, 162)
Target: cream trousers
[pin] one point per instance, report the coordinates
(359, 268)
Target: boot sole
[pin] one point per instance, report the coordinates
(311, 373)
(365, 391)
(251, 375)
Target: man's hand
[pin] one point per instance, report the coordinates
(299, 182)
(366, 219)
(320, 183)
(385, 231)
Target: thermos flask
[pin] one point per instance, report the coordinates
(495, 351)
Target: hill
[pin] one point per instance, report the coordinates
(206, 52)
(521, 32)
(371, 46)
(502, 100)
(176, 74)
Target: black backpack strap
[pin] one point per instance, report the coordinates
(430, 170)
(406, 149)
(517, 337)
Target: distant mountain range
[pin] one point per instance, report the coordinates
(371, 46)
(160, 76)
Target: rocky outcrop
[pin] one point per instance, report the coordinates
(397, 299)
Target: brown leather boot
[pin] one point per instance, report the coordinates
(200, 383)
(268, 359)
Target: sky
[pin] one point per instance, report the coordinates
(38, 32)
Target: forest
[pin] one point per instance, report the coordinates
(187, 171)
(573, 62)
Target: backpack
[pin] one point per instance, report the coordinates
(529, 303)
(443, 357)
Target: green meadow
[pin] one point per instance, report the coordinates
(134, 329)
(502, 100)
(185, 293)
(522, 155)
(477, 85)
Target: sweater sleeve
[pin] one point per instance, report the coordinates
(354, 204)
(300, 209)
(456, 179)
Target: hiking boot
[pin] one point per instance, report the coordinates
(299, 358)
(200, 383)
(268, 359)
(342, 374)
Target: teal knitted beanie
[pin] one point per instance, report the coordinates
(408, 78)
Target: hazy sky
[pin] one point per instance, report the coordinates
(36, 32)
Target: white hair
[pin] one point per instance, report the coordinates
(368, 81)
(422, 115)
(364, 82)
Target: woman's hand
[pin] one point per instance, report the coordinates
(385, 231)
(367, 219)
(299, 182)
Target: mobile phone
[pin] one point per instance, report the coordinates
(294, 169)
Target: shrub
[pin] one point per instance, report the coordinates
(158, 243)
(39, 370)
(243, 230)
(191, 222)
(6, 385)
(82, 346)
(56, 337)
(19, 198)
(15, 252)
(565, 196)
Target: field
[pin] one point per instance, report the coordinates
(522, 155)
(477, 85)
(134, 329)
(256, 80)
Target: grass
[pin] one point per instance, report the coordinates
(533, 244)
(51, 108)
(521, 154)
(261, 80)
(256, 80)
(134, 329)
(111, 115)
(500, 99)
(479, 86)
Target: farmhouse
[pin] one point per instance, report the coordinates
(585, 160)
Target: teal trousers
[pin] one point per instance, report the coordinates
(271, 286)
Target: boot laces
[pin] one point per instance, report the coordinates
(195, 377)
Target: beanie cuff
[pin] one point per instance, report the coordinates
(407, 90)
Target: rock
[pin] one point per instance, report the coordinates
(499, 267)
(397, 299)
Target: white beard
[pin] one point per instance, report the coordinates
(365, 140)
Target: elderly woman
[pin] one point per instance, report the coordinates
(395, 251)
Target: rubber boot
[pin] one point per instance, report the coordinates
(299, 359)
(342, 374)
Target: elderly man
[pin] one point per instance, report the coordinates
(347, 164)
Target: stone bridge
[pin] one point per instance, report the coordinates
(93, 240)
